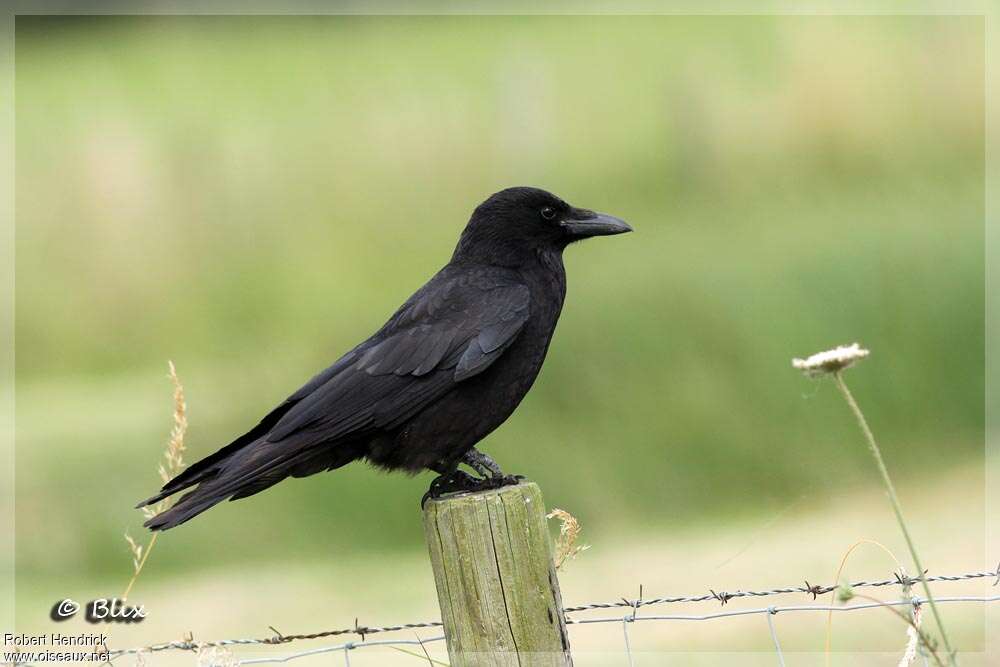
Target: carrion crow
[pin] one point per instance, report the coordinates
(448, 367)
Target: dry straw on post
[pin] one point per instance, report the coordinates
(569, 531)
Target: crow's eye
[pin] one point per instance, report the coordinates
(548, 213)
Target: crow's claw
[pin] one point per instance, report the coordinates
(454, 482)
(501, 480)
(460, 481)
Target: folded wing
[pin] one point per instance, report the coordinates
(454, 328)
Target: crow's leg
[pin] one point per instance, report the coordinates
(494, 477)
(481, 463)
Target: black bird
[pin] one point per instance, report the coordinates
(447, 368)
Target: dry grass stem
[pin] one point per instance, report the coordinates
(833, 363)
(913, 635)
(173, 463)
(896, 507)
(136, 550)
(569, 531)
(912, 629)
(426, 652)
(843, 593)
(174, 454)
(425, 656)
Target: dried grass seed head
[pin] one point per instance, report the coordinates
(569, 531)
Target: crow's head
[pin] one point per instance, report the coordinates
(521, 221)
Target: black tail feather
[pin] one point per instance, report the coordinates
(243, 474)
(170, 488)
(188, 507)
(210, 465)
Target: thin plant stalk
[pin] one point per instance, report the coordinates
(833, 593)
(138, 569)
(174, 462)
(896, 508)
(921, 635)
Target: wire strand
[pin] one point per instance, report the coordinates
(722, 597)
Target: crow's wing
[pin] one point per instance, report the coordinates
(450, 330)
(439, 338)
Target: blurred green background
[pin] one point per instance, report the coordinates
(251, 196)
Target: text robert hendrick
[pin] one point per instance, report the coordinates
(55, 639)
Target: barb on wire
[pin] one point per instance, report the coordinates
(188, 644)
(722, 597)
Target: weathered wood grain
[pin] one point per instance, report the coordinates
(496, 582)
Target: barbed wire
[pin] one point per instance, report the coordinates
(815, 590)
(723, 597)
(625, 620)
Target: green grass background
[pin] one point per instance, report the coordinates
(250, 196)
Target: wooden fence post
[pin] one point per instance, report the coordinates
(496, 582)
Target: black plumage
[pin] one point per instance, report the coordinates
(447, 368)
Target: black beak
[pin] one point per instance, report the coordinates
(582, 223)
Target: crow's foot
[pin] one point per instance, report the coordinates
(460, 481)
(498, 481)
(452, 482)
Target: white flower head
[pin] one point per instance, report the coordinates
(830, 361)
